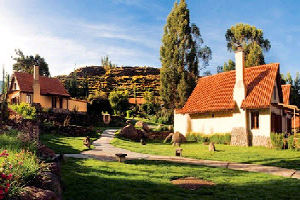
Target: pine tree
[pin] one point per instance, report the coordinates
(251, 39)
(180, 54)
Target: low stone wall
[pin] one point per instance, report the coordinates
(260, 140)
(239, 137)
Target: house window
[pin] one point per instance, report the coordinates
(53, 102)
(255, 120)
(15, 86)
(274, 93)
(29, 99)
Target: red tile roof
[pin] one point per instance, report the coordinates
(215, 93)
(49, 86)
(286, 90)
(139, 100)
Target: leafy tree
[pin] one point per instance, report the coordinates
(149, 106)
(229, 66)
(119, 101)
(106, 63)
(26, 63)
(181, 51)
(251, 39)
(207, 73)
(98, 103)
(295, 87)
(72, 85)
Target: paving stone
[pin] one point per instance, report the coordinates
(296, 175)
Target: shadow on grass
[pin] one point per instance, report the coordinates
(60, 145)
(151, 180)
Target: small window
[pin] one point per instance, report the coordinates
(15, 86)
(255, 120)
(29, 99)
(213, 115)
(274, 93)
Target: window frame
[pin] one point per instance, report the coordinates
(29, 98)
(254, 117)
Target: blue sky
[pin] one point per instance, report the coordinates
(70, 34)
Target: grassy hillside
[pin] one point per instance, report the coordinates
(140, 79)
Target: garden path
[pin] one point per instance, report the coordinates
(106, 152)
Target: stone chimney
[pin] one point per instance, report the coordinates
(239, 93)
(36, 84)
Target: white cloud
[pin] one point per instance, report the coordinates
(64, 52)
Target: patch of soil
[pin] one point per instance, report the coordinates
(192, 183)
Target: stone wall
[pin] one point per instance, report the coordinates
(260, 140)
(239, 137)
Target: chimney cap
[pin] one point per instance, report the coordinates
(239, 48)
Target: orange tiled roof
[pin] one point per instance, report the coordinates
(49, 86)
(139, 100)
(286, 90)
(215, 93)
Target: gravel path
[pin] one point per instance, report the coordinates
(106, 152)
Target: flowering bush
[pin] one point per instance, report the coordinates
(18, 165)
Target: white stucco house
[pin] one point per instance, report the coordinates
(251, 98)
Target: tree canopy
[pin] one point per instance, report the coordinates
(182, 55)
(26, 63)
(251, 39)
(295, 87)
(119, 101)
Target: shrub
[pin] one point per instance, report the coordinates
(218, 138)
(291, 143)
(24, 109)
(277, 140)
(18, 164)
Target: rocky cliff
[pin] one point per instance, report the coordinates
(138, 79)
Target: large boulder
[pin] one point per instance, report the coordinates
(34, 193)
(50, 181)
(130, 132)
(177, 138)
(143, 125)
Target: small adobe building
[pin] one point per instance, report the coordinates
(48, 92)
(248, 98)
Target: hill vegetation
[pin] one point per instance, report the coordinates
(136, 80)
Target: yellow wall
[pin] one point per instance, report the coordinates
(78, 105)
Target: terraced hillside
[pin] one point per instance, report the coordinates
(138, 79)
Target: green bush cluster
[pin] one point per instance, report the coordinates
(218, 138)
(284, 141)
(277, 140)
(24, 109)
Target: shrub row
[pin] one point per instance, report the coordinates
(284, 141)
(24, 109)
(218, 138)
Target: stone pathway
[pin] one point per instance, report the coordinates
(106, 152)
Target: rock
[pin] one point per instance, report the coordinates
(130, 132)
(45, 152)
(239, 137)
(50, 181)
(34, 193)
(53, 167)
(177, 138)
(143, 125)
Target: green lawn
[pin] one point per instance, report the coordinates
(69, 145)
(64, 144)
(257, 155)
(140, 179)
